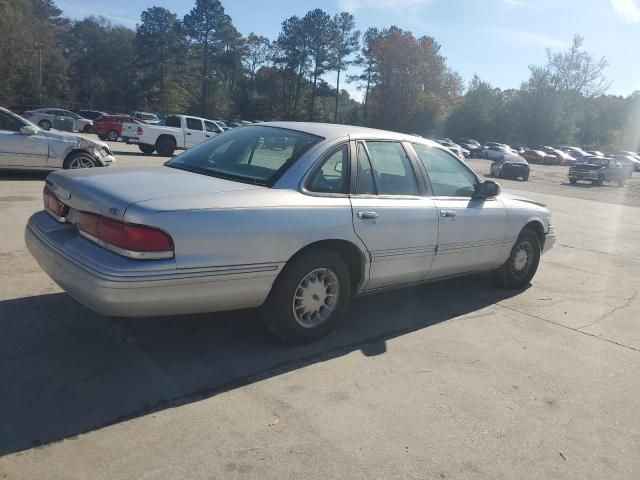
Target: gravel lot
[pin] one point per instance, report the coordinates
(457, 380)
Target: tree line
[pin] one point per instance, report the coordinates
(201, 64)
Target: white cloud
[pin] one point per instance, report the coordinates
(523, 38)
(628, 10)
(353, 5)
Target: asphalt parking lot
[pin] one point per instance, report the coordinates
(457, 380)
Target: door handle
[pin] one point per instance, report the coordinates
(367, 215)
(448, 213)
(188, 133)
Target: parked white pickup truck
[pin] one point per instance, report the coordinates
(178, 132)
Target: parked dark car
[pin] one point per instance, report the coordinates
(91, 114)
(598, 170)
(512, 167)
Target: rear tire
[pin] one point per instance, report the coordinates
(309, 297)
(522, 263)
(165, 147)
(112, 136)
(146, 149)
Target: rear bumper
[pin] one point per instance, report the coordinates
(116, 286)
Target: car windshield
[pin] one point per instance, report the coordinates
(252, 154)
(149, 116)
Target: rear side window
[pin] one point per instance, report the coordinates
(172, 122)
(392, 169)
(194, 124)
(332, 176)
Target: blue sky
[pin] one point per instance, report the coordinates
(497, 39)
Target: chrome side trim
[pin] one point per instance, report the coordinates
(461, 245)
(170, 275)
(126, 253)
(403, 251)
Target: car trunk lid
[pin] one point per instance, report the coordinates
(109, 191)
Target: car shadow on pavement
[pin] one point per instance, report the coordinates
(24, 175)
(65, 371)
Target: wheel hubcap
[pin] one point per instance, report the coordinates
(522, 259)
(315, 298)
(113, 136)
(81, 162)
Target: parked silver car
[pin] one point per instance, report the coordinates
(24, 145)
(46, 118)
(233, 223)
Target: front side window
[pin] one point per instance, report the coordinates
(9, 123)
(194, 124)
(448, 176)
(211, 127)
(392, 169)
(333, 175)
(246, 154)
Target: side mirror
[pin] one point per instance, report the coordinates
(488, 189)
(28, 130)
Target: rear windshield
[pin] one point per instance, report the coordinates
(251, 154)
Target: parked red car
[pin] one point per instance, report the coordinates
(111, 127)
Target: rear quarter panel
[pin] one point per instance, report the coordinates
(245, 228)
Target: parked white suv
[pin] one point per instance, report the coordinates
(178, 132)
(24, 145)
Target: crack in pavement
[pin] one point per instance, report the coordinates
(626, 304)
(598, 251)
(599, 274)
(568, 327)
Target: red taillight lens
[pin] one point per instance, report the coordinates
(136, 238)
(53, 205)
(132, 238)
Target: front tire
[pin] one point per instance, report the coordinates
(573, 181)
(522, 263)
(309, 297)
(79, 160)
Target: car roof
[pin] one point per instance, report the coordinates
(331, 131)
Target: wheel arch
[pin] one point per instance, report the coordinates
(537, 227)
(167, 136)
(350, 253)
(80, 150)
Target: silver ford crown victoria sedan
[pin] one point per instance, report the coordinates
(295, 218)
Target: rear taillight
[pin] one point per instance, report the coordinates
(139, 130)
(55, 207)
(129, 240)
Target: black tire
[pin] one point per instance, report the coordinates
(45, 124)
(146, 149)
(573, 181)
(599, 182)
(508, 275)
(102, 137)
(112, 136)
(525, 178)
(88, 128)
(75, 160)
(278, 311)
(165, 146)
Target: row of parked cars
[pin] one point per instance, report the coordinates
(513, 162)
